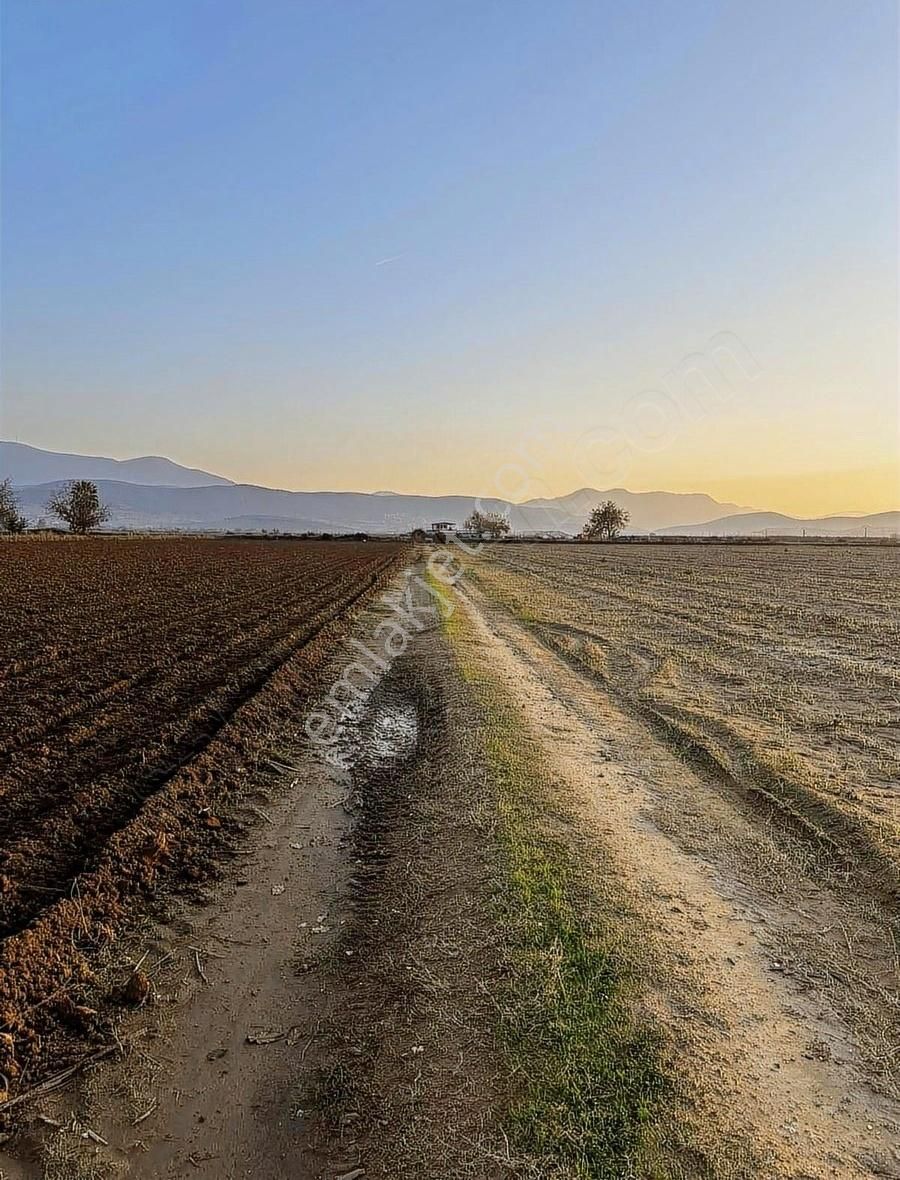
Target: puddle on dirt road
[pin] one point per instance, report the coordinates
(394, 733)
(385, 733)
(376, 732)
(378, 726)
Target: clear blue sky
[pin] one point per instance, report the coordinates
(359, 244)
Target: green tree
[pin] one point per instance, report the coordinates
(494, 524)
(606, 521)
(11, 520)
(79, 505)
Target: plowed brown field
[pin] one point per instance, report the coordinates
(139, 683)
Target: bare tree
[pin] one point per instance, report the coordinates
(494, 524)
(11, 520)
(606, 521)
(79, 505)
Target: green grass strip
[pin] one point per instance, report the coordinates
(592, 1075)
(590, 1085)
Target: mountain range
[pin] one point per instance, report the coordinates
(155, 493)
(876, 524)
(30, 465)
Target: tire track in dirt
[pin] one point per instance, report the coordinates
(772, 1057)
(414, 1075)
(850, 845)
(819, 735)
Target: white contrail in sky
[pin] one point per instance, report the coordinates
(385, 261)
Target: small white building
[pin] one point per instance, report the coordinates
(443, 526)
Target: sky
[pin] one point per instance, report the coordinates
(497, 248)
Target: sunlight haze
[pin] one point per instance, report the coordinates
(369, 246)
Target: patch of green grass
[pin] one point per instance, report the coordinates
(592, 1073)
(591, 1085)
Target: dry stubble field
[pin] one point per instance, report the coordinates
(781, 664)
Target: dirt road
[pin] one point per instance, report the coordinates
(333, 1010)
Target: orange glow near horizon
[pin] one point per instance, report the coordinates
(456, 470)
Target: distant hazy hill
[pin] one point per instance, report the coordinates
(879, 524)
(30, 465)
(247, 507)
(648, 510)
(156, 493)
